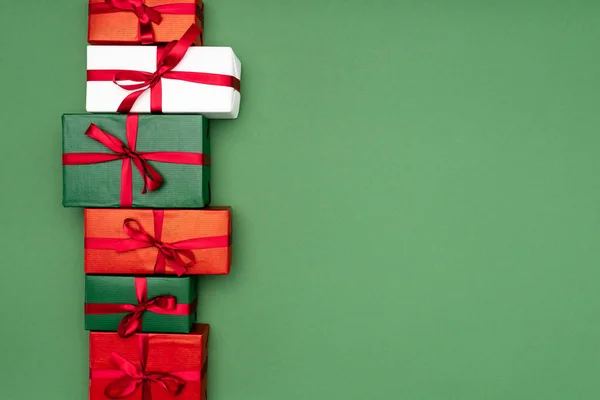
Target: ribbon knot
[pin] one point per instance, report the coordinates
(132, 322)
(151, 177)
(172, 54)
(146, 15)
(127, 152)
(164, 247)
(179, 259)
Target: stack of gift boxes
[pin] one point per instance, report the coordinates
(143, 179)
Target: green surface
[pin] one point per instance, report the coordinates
(99, 184)
(107, 289)
(416, 198)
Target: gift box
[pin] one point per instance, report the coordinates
(142, 21)
(128, 304)
(144, 242)
(175, 79)
(154, 161)
(149, 366)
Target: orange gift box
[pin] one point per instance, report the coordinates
(142, 21)
(149, 366)
(135, 241)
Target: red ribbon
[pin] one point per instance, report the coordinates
(129, 376)
(146, 15)
(132, 322)
(178, 255)
(152, 179)
(167, 59)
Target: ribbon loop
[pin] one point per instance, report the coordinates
(136, 376)
(151, 177)
(134, 229)
(172, 55)
(132, 322)
(145, 79)
(170, 383)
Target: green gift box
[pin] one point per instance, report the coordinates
(128, 304)
(147, 161)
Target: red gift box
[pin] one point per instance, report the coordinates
(152, 366)
(142, 21)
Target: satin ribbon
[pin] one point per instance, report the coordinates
(167, 59)
(132, 322)
(151, 177)
(178, 255)
(129, 376)
(146, 15)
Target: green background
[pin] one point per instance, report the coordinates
(416, 197)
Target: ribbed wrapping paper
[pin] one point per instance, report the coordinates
(166, 353)
(110, 289)
(122, 27)
(99, 184)
(178, 225)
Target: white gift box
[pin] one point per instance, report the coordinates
(178, 96)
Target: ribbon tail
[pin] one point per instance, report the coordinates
(179, 269)
(177, 262)
(128, 102)
(161, 263)
(129, 325)
(141, 166)
(153, 178)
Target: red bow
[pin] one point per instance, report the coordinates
(146, 15)
(180, 259)
(150, 176)
(167, 59)
(152, 179)
(132, 322)
(137, 375)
